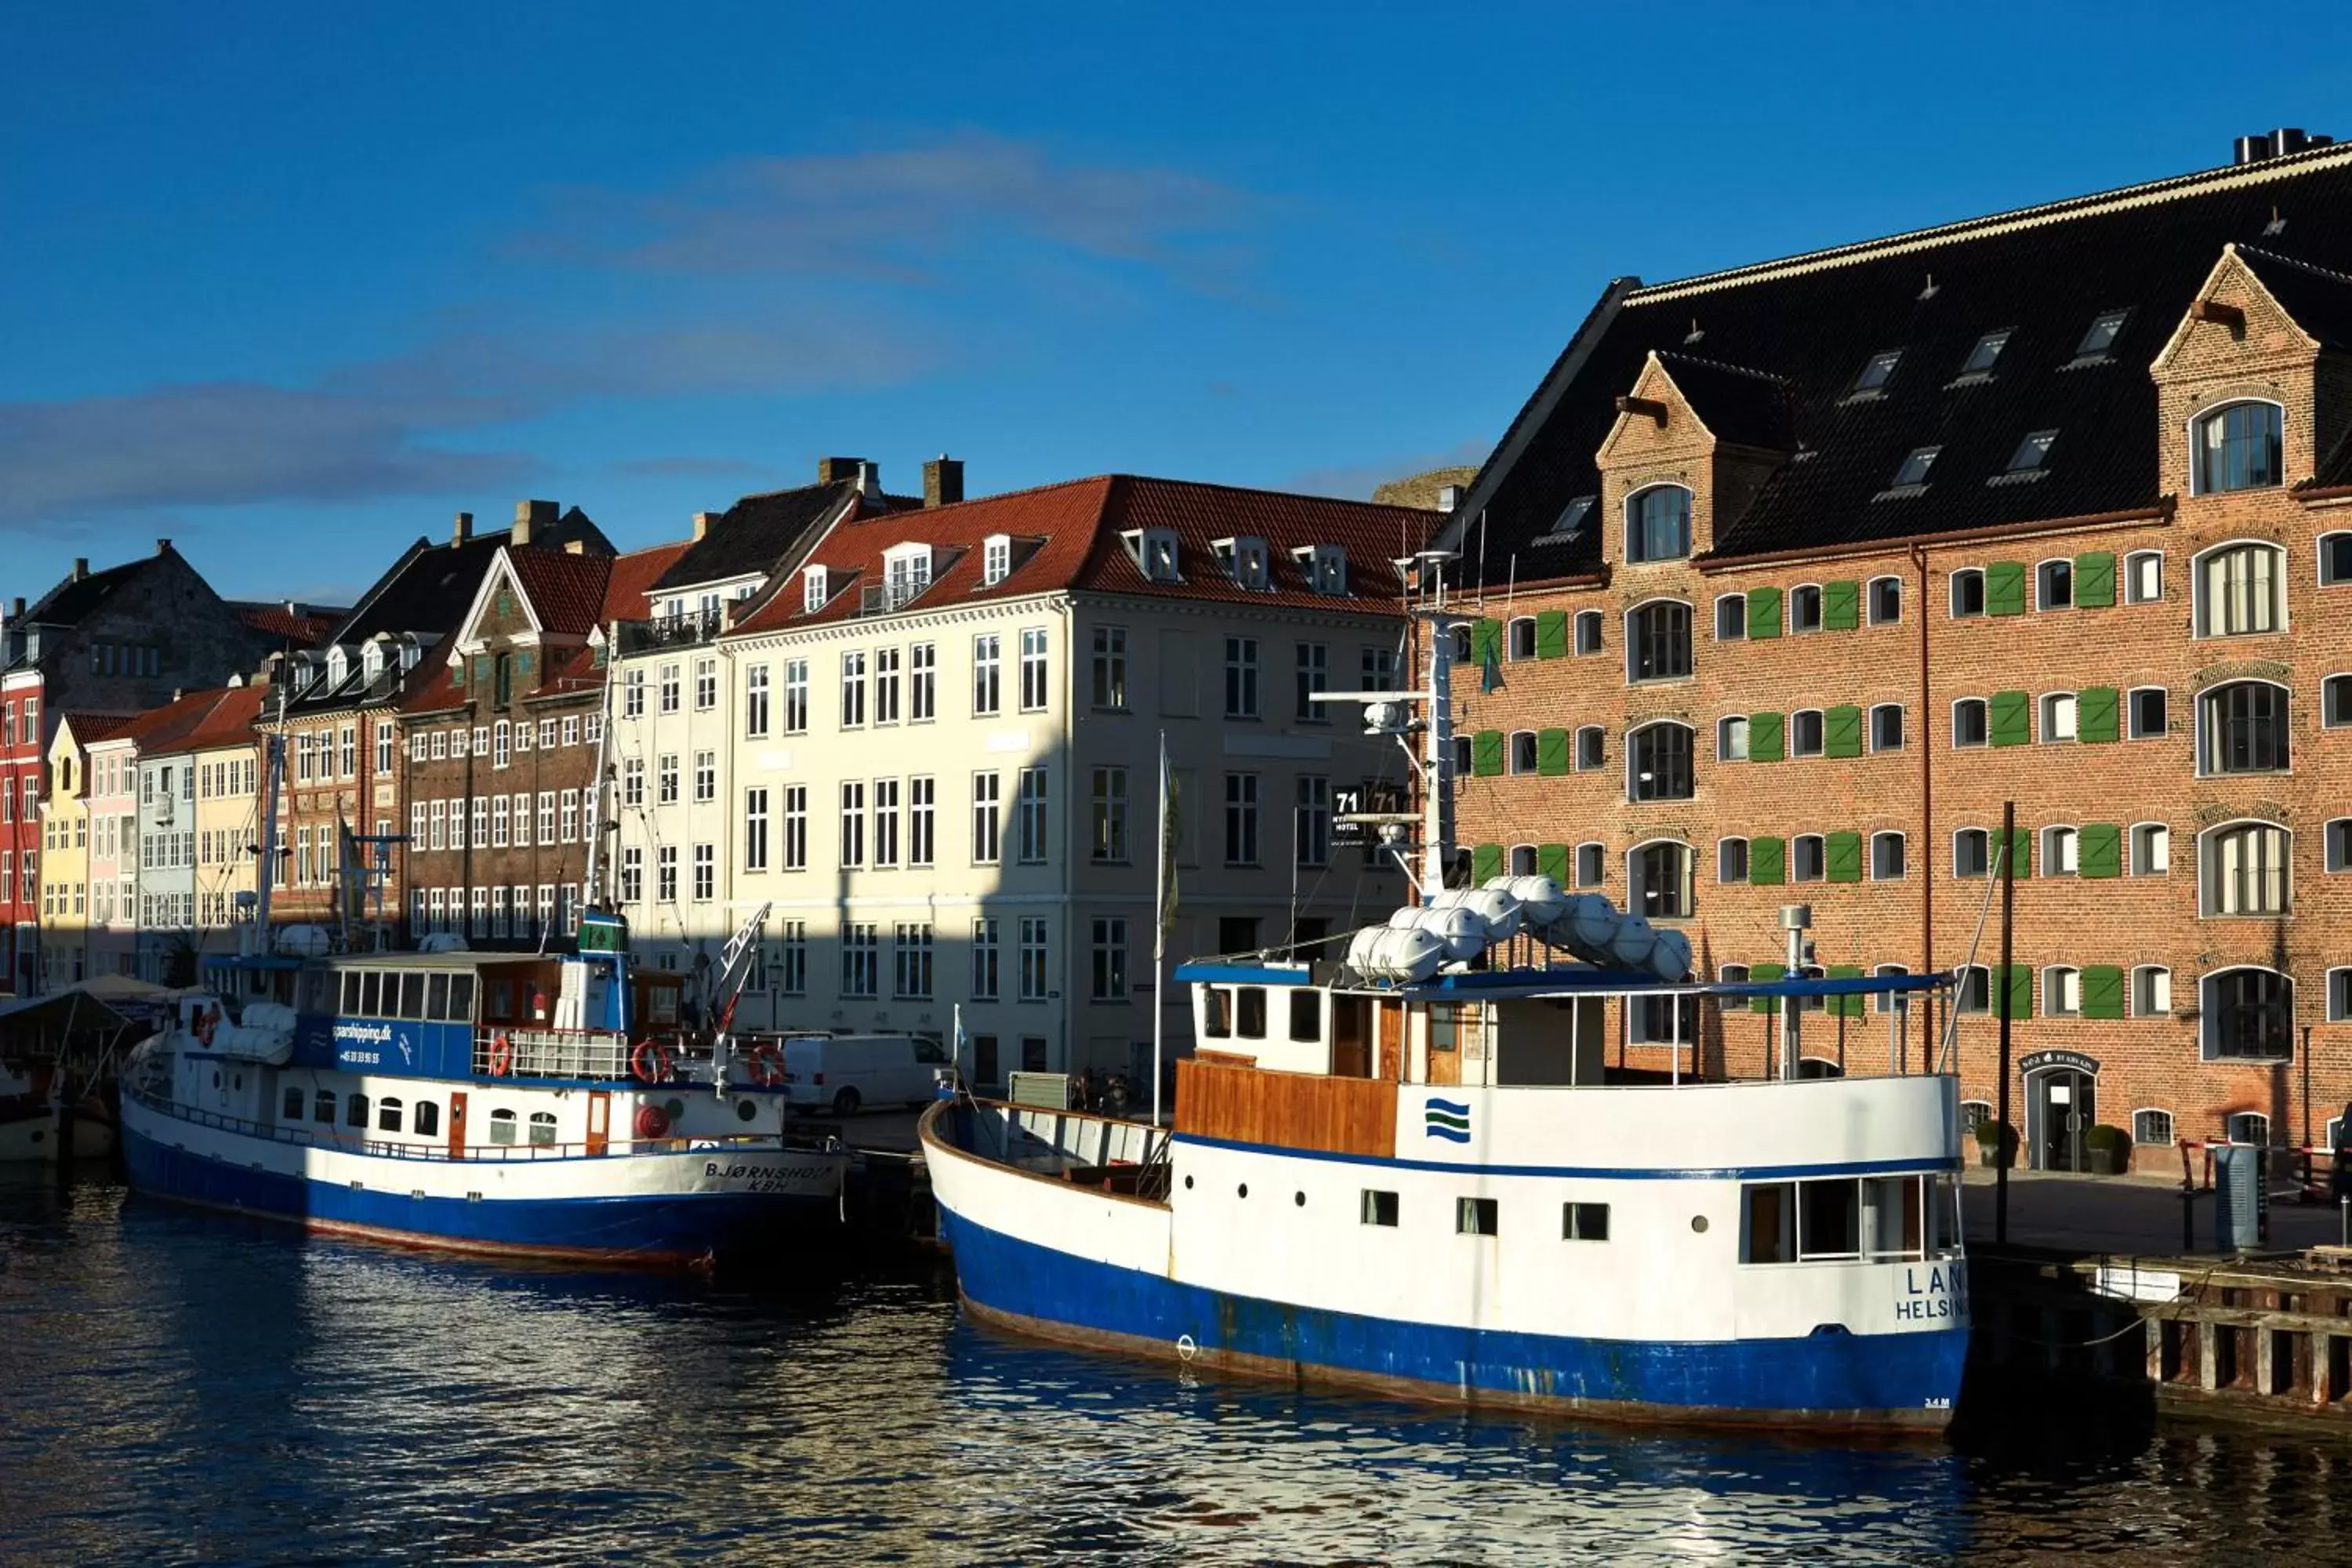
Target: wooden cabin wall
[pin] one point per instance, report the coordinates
(1287, 1111)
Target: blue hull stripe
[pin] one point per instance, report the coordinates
(1601, 1173)
(661, 1228)
(1903, 1380)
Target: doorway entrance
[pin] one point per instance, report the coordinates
(2061, 1106)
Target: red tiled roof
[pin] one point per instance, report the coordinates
(162, 729)
(1072, 531)
(231, 720)
(632, 576)
(90, 728)
(565, 590)
(308, 628)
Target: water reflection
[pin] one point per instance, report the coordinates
(181, 1386)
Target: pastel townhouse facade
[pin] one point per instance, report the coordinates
(169, 934)
(112, 801)
(225, 756)
(24, 772)
(932, 750)
(1788, 578)
(65, 948)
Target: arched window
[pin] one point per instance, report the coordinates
(2152, 1126)
(1523, 637)
(2060, 852)
(1523, 751)
(1885, 598)
(1524, 860)
(1657, 524)
(1974, 1113)
(1658, 880)
(2062, 992)
(388, 1115)
(1591, 748)
(1589, 865)
(2143, 577)
(2151, 849)
(1887, 727)
(1968, 594)
(1804, 608)
(1808, 857)
(2243, 729)
(1658, 763)
(2339, 996)
(2340, 844)
(1971, 722)
(543, 1127)
(1806, 730)
(2150, 713)
(1658, 641)
(2059, 711)
(2248, 1127)
(1731, 618)
(502, 1126)
(2241, 590)
(1971, 852)
(2335, 701)
(1975, 992)
(1461, 650)
(1731, 860)
(1733, 974)
(2151, 991)
(2334, 559)
(1465, 757)
(2237, 447)
(2245, 869)
(427, 1121)
(1587, 631)
(355, 1110)
(1886, 858)
(2054, 584)
(1731, 739)
(2249, 1014)
(1888, 1001)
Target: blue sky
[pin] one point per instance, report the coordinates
(291, 284)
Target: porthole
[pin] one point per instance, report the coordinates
(675, 1110)
(1243, 1189)
(746, 1109)
(1187, 1184)
(1699, 1223)
(1300, 1200)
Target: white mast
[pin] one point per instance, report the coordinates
(1159, 932)
(592, 891)
(273, 773)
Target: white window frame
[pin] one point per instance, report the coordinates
(1723, 737)
(1870, 616)
(1959, 746)
(2171, 1125)
(2054, 984)
(2319, 566)
(1720, 845)
(2195, 431)
(2130, 714)
(1511, 639)
(2132, 1004)
(1633, 886)
(1900, 838)
(1952, 590)
(1821, 610)
(1960, 876)
(2060, 842)
(1789, 736)
(2041, 582)
(2045, 713)
(1869, 718)
(2158, 834)
(2207, 1019)
(2199, 612)
(2206, 908)
(1722, 599)
(2129, 586)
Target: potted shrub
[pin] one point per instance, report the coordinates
(1996, 1143)
(2109, 1148)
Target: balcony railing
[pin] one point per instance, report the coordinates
(683, 630)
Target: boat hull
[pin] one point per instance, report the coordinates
(669, 1221)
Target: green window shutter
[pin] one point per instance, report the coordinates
(1551, 635)
(1765, 732)
(2103, 991)
(2005, 589)
(1845, 856)
(2099, 850)
(1485, 863)
(1767, 861)
(2094, 579)
(2010, 716)
(1486, 753)
(1763, 612)
(1552, 860)
(2019, 991)
(1841, 732)
(2022, 847)
(1487, 642)
(1843, 1007)
(1551, 753)
(2096, 712)
(1840, 606)
(1766, 971)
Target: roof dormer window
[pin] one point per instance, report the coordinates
(1877, 372)
(2107, 327)
(338, 665)
(995, 559)
(816, 589)
(1244, 562)
(1982, 357)
(1913, 469)
(1570, 522)
(907, 569)
(371, 662)
(2031, 452)
(1324, 567)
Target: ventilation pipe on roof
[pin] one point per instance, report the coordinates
(2285, 141)
(869, 479)
(1449, 498)
(82, 567)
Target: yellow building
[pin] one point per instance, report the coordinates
(228, 763)
(65, 848)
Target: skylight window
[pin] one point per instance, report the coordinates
(1988, 350)
(2031, 452)
(1877, 371)
(1571, 519)
(1915, 468)
(2102, 335)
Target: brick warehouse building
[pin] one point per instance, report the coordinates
(1793, 575)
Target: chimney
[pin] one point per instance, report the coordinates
(465, 530)
(532, 519)
(1449, 498)
(163, 547)
(942, 481)
(18, 613)
(869, 479)
(82, 567)
(702, 520)
(833, 471)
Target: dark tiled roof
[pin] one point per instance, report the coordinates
(2318, 299)
(1745, 408)
(2044, 274)
(752, 536)
(66, 604)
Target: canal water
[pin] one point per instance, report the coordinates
(184, 1387)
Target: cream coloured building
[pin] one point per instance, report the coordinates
(930, 743)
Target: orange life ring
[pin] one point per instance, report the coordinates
(650, 1063)
(766, 1064)
(653, 1122)
(501, 1055)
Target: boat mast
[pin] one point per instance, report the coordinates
(1437, 766)
(592, 891)
(273, 774)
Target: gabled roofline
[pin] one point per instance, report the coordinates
(378, 589)
(501, 566)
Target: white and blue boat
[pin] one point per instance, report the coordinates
(532, 1105)
(1412, 1171)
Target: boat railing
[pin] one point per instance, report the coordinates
(1048, 1136)
(552, 1053)
(474, 1153)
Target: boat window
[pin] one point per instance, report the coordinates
(350, 991)
(542, 1128)
(293, 1112)
(1444, 1028)
(437, 997)
(429, 1118)
(1828, 1219)
(1380, 1208)
(1477, 1216)
(1252, 1007)
(461, 997)
(1943, 1197)
(355, 1110)
(1219, 1024)
(324, 1110)
(661, 1005)
(412, 996)
(387, 1115)
(499, 1006)
(1584, 1222)
(371, 994)
(502, 1126)
(1770, 1232)
(1306, 1015)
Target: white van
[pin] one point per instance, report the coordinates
(848, 1073)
